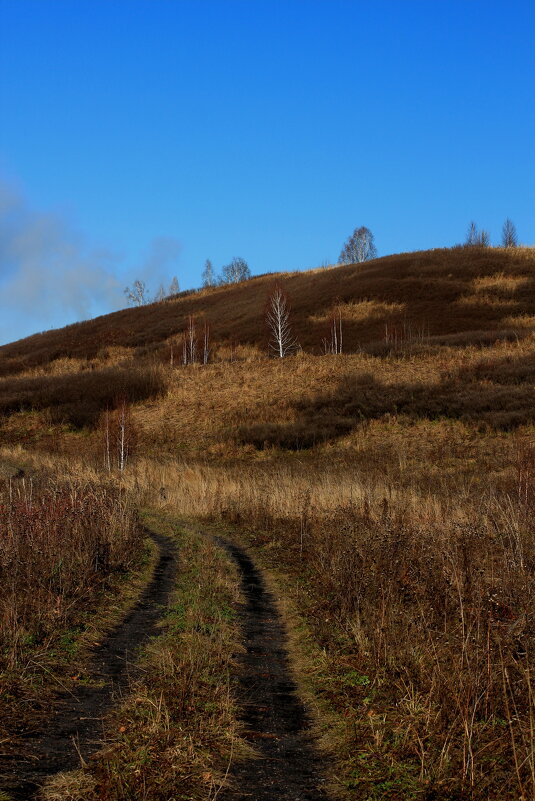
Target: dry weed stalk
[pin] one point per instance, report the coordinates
(60, 539)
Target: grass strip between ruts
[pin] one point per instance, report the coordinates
(175, 735)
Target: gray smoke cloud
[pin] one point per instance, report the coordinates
(163, 252)
(48, 274)
(50, 277)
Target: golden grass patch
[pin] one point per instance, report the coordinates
(362, 310)
(523, 321)
(482, 298)
(503, 282)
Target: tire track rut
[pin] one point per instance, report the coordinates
(275, 719)
(75, 729)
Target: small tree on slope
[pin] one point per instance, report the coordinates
(282, 342)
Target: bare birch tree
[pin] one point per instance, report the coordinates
(509, 237)
(189, 342)
(238, 270)
(107, 442)
(160, 294)
(118, 435)
(174, 286)
(359, 247)
(472, 234)
(282, 342)
(137, 294)
(208, 275)
(476, 238)
(206, 343)
(122, 437)
(333, 343)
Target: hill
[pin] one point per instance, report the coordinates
(438, 334)
(479, 292)
(389, 490)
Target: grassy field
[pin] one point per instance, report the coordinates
(390, 488)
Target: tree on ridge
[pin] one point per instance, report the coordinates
(137, 295)
(208, 275)
(238, 270)
(509, 237)
(359, 247)
(475, 238)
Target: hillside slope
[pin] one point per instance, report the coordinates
(438, 293)
(442, 334)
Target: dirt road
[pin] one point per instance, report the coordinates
(275, 719)
(75, 730)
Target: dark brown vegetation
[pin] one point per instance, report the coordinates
(427, 630)
(79, 400)
(419, 606)
(63, 545)
(441, 292)
(392, 486)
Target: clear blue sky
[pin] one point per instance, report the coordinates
(140, 137)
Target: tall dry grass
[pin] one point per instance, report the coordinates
(60, 540)
(422, 603)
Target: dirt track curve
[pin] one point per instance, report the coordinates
(275, 719)
(75, 729)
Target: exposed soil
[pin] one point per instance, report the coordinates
(275, 719)
(74, 731)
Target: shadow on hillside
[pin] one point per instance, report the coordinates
(497, 394)
(78, 399)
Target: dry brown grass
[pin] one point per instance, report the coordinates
(364, 310)
(424, 287)
(414, 322)
(242, 409)
(59, 540)
(503, 283)
(79, 398)
(65, 544)
(421, 606)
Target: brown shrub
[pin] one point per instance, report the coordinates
(59, 541)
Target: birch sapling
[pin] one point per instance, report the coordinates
(282, 342)
(189, 342)
(206, 343)
(333, 343)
